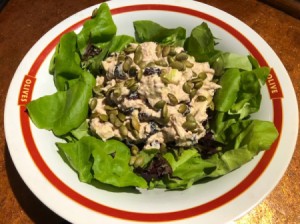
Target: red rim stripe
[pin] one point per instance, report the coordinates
(167, 216)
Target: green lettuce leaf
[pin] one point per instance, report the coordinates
(146, 30)
(63, 111)
(107, 162)
(201, 43)
(100, 29)
(245, 139)
(65, 63)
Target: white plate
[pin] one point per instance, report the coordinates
(224, 199)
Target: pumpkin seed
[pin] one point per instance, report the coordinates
(164, 111)
(132, 160)
(127, 64)
(94, 13)
(170, 59)
(200, 99)
(123, 131)
(181, 56)
(103, 117)
(115, 112)
(112, 118)
(158, 51)
(202, 75)
(118, 123)
(178, 65)
(188, 64)
(117, 93)
(134, 87)
(198, 85)
(182, 108)
(188, 125)
(165, 80)
(97, 90)
(142, 64)
(130, 49)
(107, 108)
(173, 99)
(190, 117)
(150, 64)
(121, 57)
(135, 123)
(166, 51)
(134, 150)
(159, 105)
(193, 93)
(138, 56)
(139, 161)
(128, 126)
(135, 133)
(93, 103)
(121, 116)
(161, 62)
(172, 51)
(129, 83)
(187, 86)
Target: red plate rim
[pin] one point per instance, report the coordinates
(28, 85)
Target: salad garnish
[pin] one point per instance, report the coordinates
(159, 109)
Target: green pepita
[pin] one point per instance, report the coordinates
(187, 87)
(158, 51)
(121, 116)
(172, 51)
(178, 65)
(188, 64)
(118, 123)
(161, 62)
(200, 99)
(159, 105)
(103, 117)
(123, 131)
(166, 51)
(129, 83)
(135, 123)
(134, 87)
(93, 103)
(181, 56)
(127, 64)
(112, 118)
(164, 111)
(173, 99)
(188, 125)
(138, 56)
(202, 75)
(107, 107)
(198, 84)
(130, 49)
(134, 150)
(182, 108)
(193, 93)
(139, 161)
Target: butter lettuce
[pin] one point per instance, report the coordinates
(107, 162)
(78, 58)
(63, 111)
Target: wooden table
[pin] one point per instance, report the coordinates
(22, 23)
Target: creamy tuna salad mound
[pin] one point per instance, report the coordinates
(152, 95)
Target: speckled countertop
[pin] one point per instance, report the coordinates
(22, 23)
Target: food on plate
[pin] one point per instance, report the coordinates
(159, 109)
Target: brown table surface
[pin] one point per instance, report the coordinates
(22, 23)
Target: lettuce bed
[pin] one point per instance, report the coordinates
(235, 136)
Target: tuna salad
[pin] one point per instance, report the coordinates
(152, 95)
